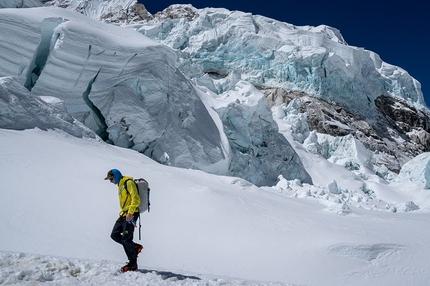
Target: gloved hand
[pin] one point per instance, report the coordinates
(129, 217)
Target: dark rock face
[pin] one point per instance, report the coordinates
(176, 12)
(117, 12)
(407, 118)
(396, 133)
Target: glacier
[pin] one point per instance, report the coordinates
(64, 54)
(417, 170)
(259, 152)
(270, 53)
(127, 89)
(201, 103)
(20, 110)
(348, 90)
(21, 3)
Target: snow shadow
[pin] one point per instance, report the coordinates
(165, 275)
(367, 252)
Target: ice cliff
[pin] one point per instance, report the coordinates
(348, 90)
(117, 82)
(269, 54)
(206, 101)
(20, 110)
(126, 88)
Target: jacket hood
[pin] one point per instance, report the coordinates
(117, 176)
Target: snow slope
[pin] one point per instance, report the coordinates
(58, 212)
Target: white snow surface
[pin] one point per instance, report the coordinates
(203, 229)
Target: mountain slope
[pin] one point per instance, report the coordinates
(379, 104)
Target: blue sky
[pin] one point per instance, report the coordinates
(398, 33)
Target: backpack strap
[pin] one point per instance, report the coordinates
(125, 185)
(149, 202)
(128, 193)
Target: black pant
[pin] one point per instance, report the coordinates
(122, 233)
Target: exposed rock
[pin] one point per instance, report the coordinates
(118, 12)
(177, 11)
(409, 120)
(134, 13)
(400, 131)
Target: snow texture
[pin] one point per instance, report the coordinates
(203, 229)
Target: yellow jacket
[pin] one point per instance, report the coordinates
(129, 199)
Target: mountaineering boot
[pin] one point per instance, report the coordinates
(138, 248)
(129, 267)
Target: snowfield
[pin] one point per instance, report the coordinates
(203, 229)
